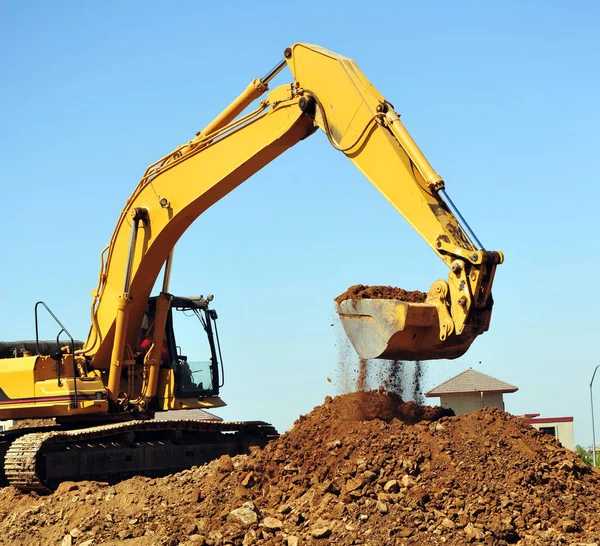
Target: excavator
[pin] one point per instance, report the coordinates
(103, 394)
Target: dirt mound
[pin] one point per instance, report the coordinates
(360, 291)
(481, 478)
(371, 405)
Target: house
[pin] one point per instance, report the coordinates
(559, 427)
(471, 390)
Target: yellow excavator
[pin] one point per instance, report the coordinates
(104, 393)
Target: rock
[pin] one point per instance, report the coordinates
(197, 539)
(249, 538)
(191, 529)
(67, 540)
(382, 507)
(407, 481)
(448, 523)
(284, 509)
(89, 542)
(569, 526)
(225, 464)
(320, 532)
(391, 487)
(473, 533)
(354, 484)
(292, 541)
(245, 514)
(272, 524)
(248, 481)
(124, 534)
(75, 532)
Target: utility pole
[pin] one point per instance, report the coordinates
(592, 405)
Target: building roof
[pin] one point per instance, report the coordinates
(546, 420)
(471, 381)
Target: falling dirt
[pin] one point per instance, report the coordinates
(361, 291)
(361, 380)
(417, 392)
(394, 382)
(481, 478)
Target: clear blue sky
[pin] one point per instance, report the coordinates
(503, 100)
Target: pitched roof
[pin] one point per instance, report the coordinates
(471, 381)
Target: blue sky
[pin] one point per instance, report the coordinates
(502, 99)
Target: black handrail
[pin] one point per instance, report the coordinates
(63, 330)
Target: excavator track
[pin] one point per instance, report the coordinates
(39, 461)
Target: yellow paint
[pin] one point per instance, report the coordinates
(336, 97)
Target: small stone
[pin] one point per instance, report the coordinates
(249, 538)
(382, 507)
(225, 464)
(333, 445)
(89, 542)
(405, 533)
(67, 540)
(284, 509)
(448, 523)
(407, 481)
(354, 484)
(197, 539)
(75, 532)
(272, 523)
(439, 427)
(245, 514)
(109, 518)
(292, 541)
(248, 481)
(125, 534)
(191, 529)
(473, 533)
(570, 526)
(320, 532)
(369, 475)
(391, 487)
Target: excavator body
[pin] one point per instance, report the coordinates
(104, 394)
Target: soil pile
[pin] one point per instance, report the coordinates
(353, 471)
(360, 291)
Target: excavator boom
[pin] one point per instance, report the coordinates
(328, 92)
(105, 393)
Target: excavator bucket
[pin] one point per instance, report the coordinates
(398, 330)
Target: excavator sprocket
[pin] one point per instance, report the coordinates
(40, 461)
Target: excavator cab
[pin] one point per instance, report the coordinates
(197, 372)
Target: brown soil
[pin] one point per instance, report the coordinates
(482, 478)
(360, 291)
(361, 380)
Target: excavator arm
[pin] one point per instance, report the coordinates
(331, 93)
